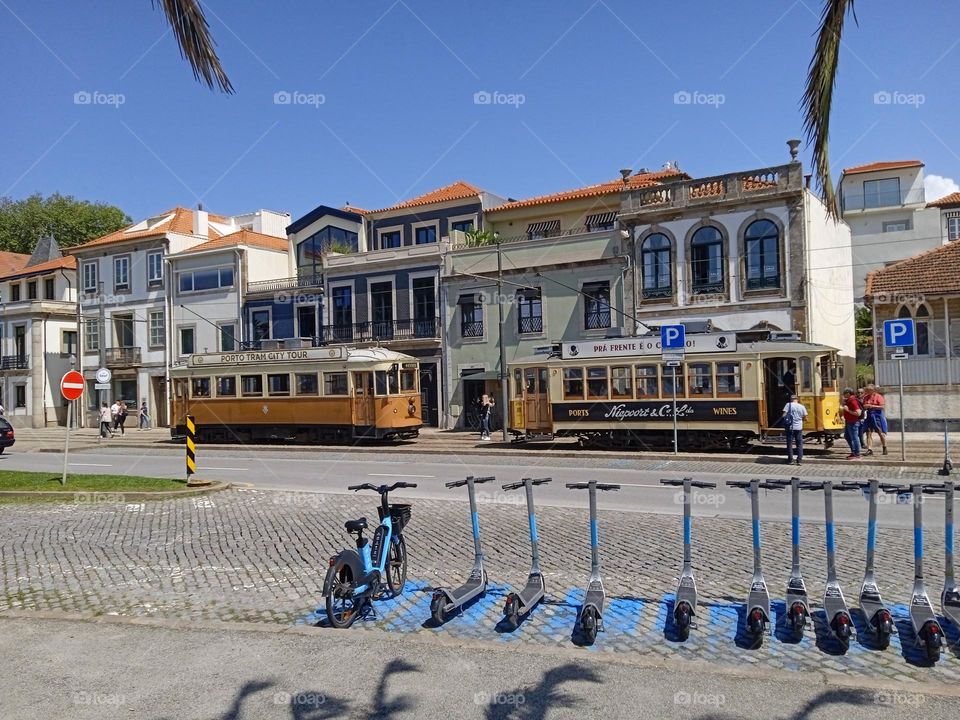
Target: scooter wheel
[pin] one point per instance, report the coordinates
(511, 615)
(682, 617)
(798, 618)
(756, 625)
(588, 624)
(841, 630)
(933, 640)
(883, 629)
(437, 611)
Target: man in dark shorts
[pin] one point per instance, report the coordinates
(876, 421)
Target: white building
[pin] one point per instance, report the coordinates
(885, 206)
(949, 208)
(125, 296)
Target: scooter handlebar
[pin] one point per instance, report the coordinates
(585, 485)
(693, 483)
(459, 483)
(934, 489)
(892, 488)
(533, 481)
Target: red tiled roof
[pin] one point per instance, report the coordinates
(241, 237)
(354, 209)
(11, 263)
(951, 200)
(458, 190)
(884, 165)
(613, 187)
(932, 272)
(68, 263)
(180, 221)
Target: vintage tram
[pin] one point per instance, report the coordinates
(309, 395)
(729, 391)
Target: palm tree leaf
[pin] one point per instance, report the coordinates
(192, 32)
(818, 94)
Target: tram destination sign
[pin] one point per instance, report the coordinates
(647, 345)
(630, 411)
(257, 357)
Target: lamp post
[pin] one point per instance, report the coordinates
(504, 395)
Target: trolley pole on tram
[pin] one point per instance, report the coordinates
(504, 395)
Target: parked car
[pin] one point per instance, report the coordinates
(6, 435)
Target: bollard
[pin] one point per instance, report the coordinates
(191, 448)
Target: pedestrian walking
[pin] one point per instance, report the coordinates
(105, 420)
(876, 421)
(114, 415)
(486, 406)
(862, 427)
(851, 422)
(794, 413)
(122, 416)
(144, 415)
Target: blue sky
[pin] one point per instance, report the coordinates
(382, 96)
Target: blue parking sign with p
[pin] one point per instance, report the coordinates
(898, 333)
(672, 337)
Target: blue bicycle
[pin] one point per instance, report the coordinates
(355, 577)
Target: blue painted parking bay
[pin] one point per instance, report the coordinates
(640, 625)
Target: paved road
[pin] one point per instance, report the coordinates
(332, 471)
(80, 670)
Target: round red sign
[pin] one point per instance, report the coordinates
(72, 385)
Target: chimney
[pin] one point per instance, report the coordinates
(200, 221)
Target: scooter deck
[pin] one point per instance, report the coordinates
(870, 601)
(950, 604)
(474, 586)
(595, 595)
(532, 592)
(921, 609)
(833, 600)
(797, 592)
(759, 596)
(687, 590)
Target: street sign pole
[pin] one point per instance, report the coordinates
(676, 446)
(71, 387)
(66, 442)
(903, 430)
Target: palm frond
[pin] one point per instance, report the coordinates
(818, 94)
(192, 32)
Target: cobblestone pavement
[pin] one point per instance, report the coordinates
(259, 556)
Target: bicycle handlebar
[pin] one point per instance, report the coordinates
(533, 481)
(693, 483)
(381, 488)
(459, 483)
(585, 485)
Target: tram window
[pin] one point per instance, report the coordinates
(518, 383)
(827, 374)
(597, 382)
(573, 383)
(542, 379)
(251, 385)
(668, 378)
(701, 379)
(408, 381)
(200, 387)
(307, 384)
(227, 386)
(647, 381)
(386, 382)
(334, 383)
(621, 384)
(531, 381)
(728, 379)
(806, 375)
(278, 384)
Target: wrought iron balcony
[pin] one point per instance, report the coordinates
(122, 356)
(597, 320)
(381, 331)
(531, 325)
(471, 329)
(15, 362)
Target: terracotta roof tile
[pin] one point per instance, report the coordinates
(11, 262)
(884, 165)
(178, 220)
(458, 190)
(67, 263)
(951, 200)
(241, 237)
(354, 209)
(613, 187)
(932, 272)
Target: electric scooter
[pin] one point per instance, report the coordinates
(758, 601)
(685, 606)
(444, 602)
(798, 603)
(879, 619)
(950, 597)
(924, 621)
(834, 605)
(590, 617)
(519, 605)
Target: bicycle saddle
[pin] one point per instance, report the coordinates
(356, 525)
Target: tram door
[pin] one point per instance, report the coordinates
(364, 408)
(779, 380)
(536, 407)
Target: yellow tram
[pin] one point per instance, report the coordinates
(620, 392)
(330, 394)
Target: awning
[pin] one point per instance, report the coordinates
(529, 293)
(542, 228)
(606, 218)
(480, 375)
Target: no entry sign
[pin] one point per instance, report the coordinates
(72, 385)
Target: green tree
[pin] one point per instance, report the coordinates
(478, 238)
(71, 221)
(864, 324)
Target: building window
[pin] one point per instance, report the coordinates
(596, 305)
(597, 383)
(543, 229)
(881, 193)
(32, 290)
(209, 279)
(471, 317)
(343, 313)
(953, 228)
(921, 328)
(90, 277)
(121, 273)
(68, 342)
(529, 311)
(123, 330)
(381, 309)
(21, 395)
(260, 324)
(91, 334)
(390, 240)
(307, 384)
(706, 261)
(896, 225)
(424, 307)
(331, 238)
(425, 235)
(701, 379)
(186, 341)
(49, 289)
(158, 331)
(228, 337)
(278, 384)
(728, 378)
(601, 221)
(155, 269)
(307, 321)
(621, 384)
(200, 387)
(762, 245)
(462, 225)
(14, 292)
(657, 267)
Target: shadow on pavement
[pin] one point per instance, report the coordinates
(814, 707)
(535, 703)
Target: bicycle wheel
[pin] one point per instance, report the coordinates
(397, 566)
(342, 606)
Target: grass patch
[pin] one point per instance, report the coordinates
(45, 481)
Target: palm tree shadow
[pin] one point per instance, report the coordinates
(538, 701)
(813, 707)
(381, 707)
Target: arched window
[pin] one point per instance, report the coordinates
(657, 267)
(921, 328)
(762, 256)
(706, 261)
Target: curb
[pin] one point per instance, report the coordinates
(108, 495)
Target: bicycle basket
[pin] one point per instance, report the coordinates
(399, 515)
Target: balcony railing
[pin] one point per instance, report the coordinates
(883, 199)
(653, 293)
(15, 362)
(531, 325)
(380, 331)
(471, 329)
(290, 283)
(459, 240)
(597, 320)
(122, 356)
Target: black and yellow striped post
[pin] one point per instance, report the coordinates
(191, 448)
